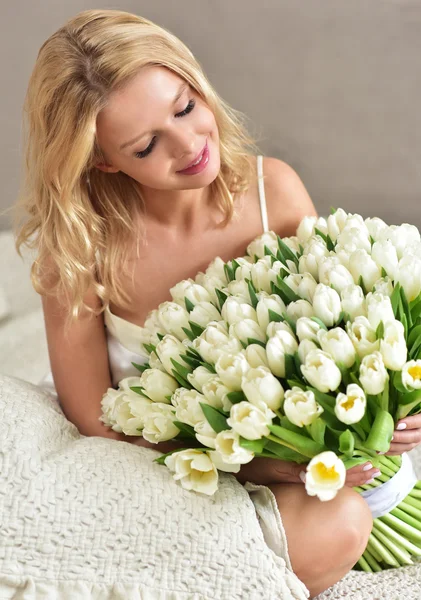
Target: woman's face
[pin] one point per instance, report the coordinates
(154, 128)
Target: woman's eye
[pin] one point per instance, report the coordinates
(148, 150)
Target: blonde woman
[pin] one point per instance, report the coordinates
(138, 175)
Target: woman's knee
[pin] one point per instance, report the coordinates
(355, 522)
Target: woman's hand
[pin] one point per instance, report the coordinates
(263, 471)
(361, 474)
(405, 438)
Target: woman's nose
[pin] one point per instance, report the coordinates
(183, 142)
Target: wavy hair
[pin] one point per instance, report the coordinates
(80, 219)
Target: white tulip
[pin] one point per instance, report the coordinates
(216, 393)
(231, 368)
(234, 310)
(247, 329)
(356, 220)
(239, 289)
(379, 308)
(256, 356)
(214, 335)
(336, 223)
(155, 363)
(249, 421)
(227, 443)
(203, 313)
(321, 371)
(307, 287)
(270, 302)
(305, 229)
(401, 236)
(158, 385)
(353, 301)
(375, 226)
(292, 242)
(159, 423)
(336, 342)
(326, 474)
(305, 347)
(116, 412)
(307, 329)
(301, 407)
(293, 281)
(298, 309)
(384, 286)
(257, 246)
(170, 348)
(194, 470)
(327, 304)
(205, 434)
(152, 327)
(280, 344)
(409, 276)
(373, 374)
(220, 463)
(333, 273)
(187, 406)
(354, 238)
(261, 387)
(211, 284)
(263, 273)
(216, 269)
(275, 326)
(363, 336)
(385, 255)
(350, 407)
(393, 345)
(361, 264)
(173, 318)
(199, 377)
(411, 374)
(191, 290)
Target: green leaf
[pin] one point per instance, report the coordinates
(317, 431)
(149, 348)
(289, 366)
(405, 307)
(394, 298)
(333, 210)
(254, 341)
(252, 292)
(362, 285)
(180, 380)
(255, 446)
(141, 368)
(189, 334)
(384, 272)
(287, 252)
(290, 322)
(208, 366)
(274, 316)
(294, 383)
(285, 422)
(381, 432)
(268, 252)
(236, 397)
(139, 390)
(222, 296)
(159, 336)
(189, 304)
(380, 331)
(414, 340)
(346, 443)
(188, 430)
(319, 322)
(285, 453)
(181, 370)
(196, 328)
(289, 293)
(235, 265)
(410, 397)
(229, 274)
(216, 420)
(300, 443)
(192, 362)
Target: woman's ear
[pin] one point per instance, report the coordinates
(106, 168)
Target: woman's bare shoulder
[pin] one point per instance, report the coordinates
(287, 198)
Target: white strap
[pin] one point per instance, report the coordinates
(262, 197)
(387, 496)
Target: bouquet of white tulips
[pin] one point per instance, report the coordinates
(306, 349)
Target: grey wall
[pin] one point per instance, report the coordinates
(330, 86)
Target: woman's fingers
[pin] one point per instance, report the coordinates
(361, 474)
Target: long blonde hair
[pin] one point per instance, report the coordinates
(81, 219)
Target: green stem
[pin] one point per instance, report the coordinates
(401, 555)
(392, 535)
(413, 502)
(373, 551)
(387, 557)
(406, 517)
(364, 565)
(404, 528)
(375, 567)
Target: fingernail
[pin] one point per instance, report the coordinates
(381, 452)
(370, 481)
(367, 467)
(392, 438)
(377, 473)
(401, 426)
(303, 476)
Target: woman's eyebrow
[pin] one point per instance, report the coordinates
(176, 99)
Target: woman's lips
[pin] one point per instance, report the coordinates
(200, 166)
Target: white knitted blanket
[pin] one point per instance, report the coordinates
(91, 518)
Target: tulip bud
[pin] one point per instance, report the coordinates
(327, 304)
(298, 309)
(409, 276)
(256, 356)
(363, 336)
(373, 374)
(203, 313)
(249, 421)
(231, 369)
(301, 407)
(305, 347)
(170, 348)
(336, 342)
(379, 308)
(247, 329)
(234, 310)
(270, 302)
(158, 385)
(333, 273)
(280, 344)
(307, 329)
(321, 371)
(393, 346)
(262, 388)
(257, 246)
(362, 265)
(199, 377)
(173, 318)
(384, 255)
(335, 223)
(227, 443)
(353, 301)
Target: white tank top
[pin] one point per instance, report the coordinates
(123, 336)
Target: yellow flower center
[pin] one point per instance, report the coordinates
(349, 403)
(415, 372)
(325, 473)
